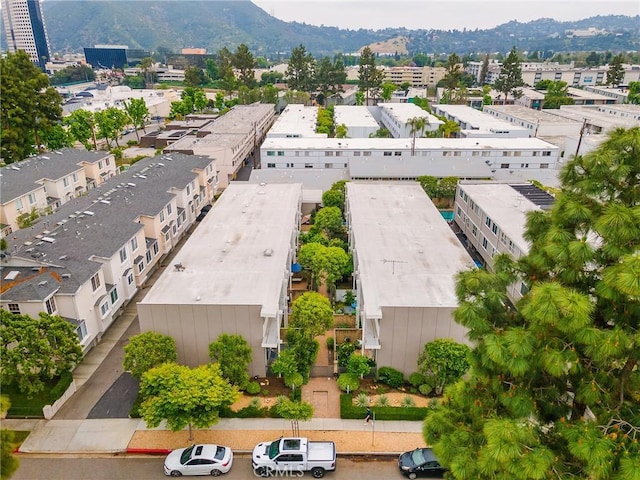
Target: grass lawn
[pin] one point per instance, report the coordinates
(24, 407)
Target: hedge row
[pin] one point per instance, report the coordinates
(349, 411)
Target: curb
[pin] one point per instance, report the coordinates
(149, 451)
(164, 451)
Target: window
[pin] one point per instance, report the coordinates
(546, 154)
(271, 153)
(123, 254)
(524, 165)
(65, 181)
(517, 154)
(280, 153)
(474, 231)
(504, 165)
(486, 154)
(446, 154)
(457, 153)
(140, 267)
(506, 154)
(484, 243)
(169, 209)
(356, 154)
(50, 303)
(130, 279)
(271, 165)
(328, 165)
(149, 256)
(308, 165)
(289, 165)
(155, 248)
(544, 165)
(475, 154)
(487, 222)
(387, 154)
(161, 216)
(328, 153)
(32, 198)
(535, 154)
(174, 230)
(134, 244)
(494, 229)
(14, 308)
(338, 154)
(95, 282)
(81, 330)
(366, 154)
(100, 165)
(108, 161)
(114, 296)
(19, 204)
(104, 308)
(397, 154)
(75, 178)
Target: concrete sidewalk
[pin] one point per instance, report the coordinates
(114, 435)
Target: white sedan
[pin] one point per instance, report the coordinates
(202, 459)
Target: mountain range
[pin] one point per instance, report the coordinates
(177, 24)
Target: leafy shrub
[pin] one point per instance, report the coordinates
(350, 411)
(253, 388)
(390, 376)
(254, 403)
(362, 400)
(63, 383)
(382, 401)
(348, 382)
(264, 392)
(408, 402)
(296, 395)
(416, 379)
(330, 343)
(344, 352)
(425, 389)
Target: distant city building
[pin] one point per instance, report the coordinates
(194, 51)
(25, 29)
(113, 56)
(415, 76)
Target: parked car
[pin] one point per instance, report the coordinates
(203, 213)
(420, 462)
(293, 456)
(202, 459)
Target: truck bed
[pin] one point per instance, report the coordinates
(321, 452)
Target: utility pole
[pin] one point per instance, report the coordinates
(582, 129)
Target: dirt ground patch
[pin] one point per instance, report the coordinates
(396, 398)
(245, 440)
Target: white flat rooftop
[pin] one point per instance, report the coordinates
(403, 112)
(238, 254)
(505, 206)
(407, 253)
(354, 116)
(477, 119)
(529, 114)
(296, 119)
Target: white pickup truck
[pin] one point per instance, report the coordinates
(293, 455)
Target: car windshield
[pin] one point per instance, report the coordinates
(418, 456)
(186, 455)
(220, 453)
(273, 449)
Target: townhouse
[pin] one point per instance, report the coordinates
(231, 276)
(405, 259)
(492, 217)
(87, 260)
(230, 139)
(43, 183)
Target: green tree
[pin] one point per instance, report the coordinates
(193, 76)
(443, 362)
(594, 59)
(224, 61)
(211, 68)
(557, 94)
(56, 137)
(36, 349)
(429, 184)
(341, 131)
(72, 74)
(554, 380)
(448, 128)
(82, 127)
(418, 126)
(146, 66)
(300, 72)
(333, 198)
(234, 355)
(148, 350)
(294, 411)
(8, 462)
(359, 98)
(185, 397)
(244, 61)
(29, 106)
(329, 221)
(453, 74)
(370, 77)
(358, 365)
(447, 187)
(330, 76)
(110, 123)
(271, 77)
(510, 79)
(200, 100)
(295, 96)
(305, 350)
(387, 90)
(634, 93)
(138, 112)
(328, 264)
(286, 364)
(484, 69)
(312, 314)
(615, 74)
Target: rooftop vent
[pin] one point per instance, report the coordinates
(89, 212)
(63, 257)
(12, 275)
(48, 239)
(43, 283)
(268, 252)
(66, 275)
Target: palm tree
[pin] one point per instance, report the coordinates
(418, 125)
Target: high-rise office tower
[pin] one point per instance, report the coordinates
(25, 29)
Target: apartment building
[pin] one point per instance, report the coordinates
(85, 261)
(492, 217)
(230, 140)
(25, 30)
(359, 121)
(231, 276)
(405, 260)
(296, 121)
(414, 76)
(535, 98)
(396, 118)
(43, 183)
(476, 124)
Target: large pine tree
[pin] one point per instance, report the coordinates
(554, 388)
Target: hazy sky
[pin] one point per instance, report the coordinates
(439, 14)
